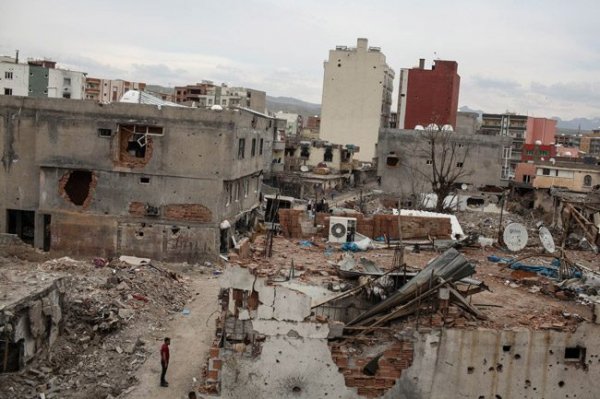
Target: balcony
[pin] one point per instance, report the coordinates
(278, 145)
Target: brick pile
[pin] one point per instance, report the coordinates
(395, 359)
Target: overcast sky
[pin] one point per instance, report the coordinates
(539, 57)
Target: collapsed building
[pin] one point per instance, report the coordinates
(162, 182)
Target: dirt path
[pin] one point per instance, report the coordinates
(191, 337)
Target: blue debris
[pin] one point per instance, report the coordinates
(547, 271)
(185, 312)
(305, 243)
(350, 246)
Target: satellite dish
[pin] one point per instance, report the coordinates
(432, 126)
(515, 237)
(463, 186)
(303, 168)
(419, 127)
(547, 239)
(447, 128)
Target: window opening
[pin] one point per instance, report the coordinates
(260, 148)
(587, 180)
(241, 148)
(104, 132)
(253, 149)
(328, 156)
(144, 180)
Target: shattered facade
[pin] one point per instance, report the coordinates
(405, 164)
(93, 179)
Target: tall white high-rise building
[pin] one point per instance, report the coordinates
(357, 97)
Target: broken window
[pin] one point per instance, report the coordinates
(587, 180)
(392, 159)
(241, 148)
(429, 162)
(546, 172)
(8, 75)
(345, 154)
(7, 92)
(228, 193)
(575, 354)
(78, 186)
(136, 145)
(253, 149)
(260, 147)
(459, 164)
(66, 95)
(144, 180)
(328, 156)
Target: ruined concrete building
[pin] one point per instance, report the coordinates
(405, 161)
(93, 179)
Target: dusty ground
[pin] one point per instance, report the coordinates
(114, 319)
(191, 336)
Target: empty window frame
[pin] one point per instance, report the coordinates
(103, 132)
(8, 75)
(328, 156)
(260, 147)
(8, 92)
(241, 148)
(459, 164)
(305, 152)
(587, 180)
(253, 148)
(429, 162)
(144, 180)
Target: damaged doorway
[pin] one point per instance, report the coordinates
(21, 223)
(10, 356)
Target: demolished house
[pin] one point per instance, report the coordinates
(162, 182)
(308, 320)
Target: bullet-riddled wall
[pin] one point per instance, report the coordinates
(128, 178)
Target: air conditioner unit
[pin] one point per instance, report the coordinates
(341, 229)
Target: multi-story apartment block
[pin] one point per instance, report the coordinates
(510, 125)
(207, 94)
(429, 95)
(590, 144)
(87, 178)
(357, 97)
(107, 90)
(39, 78)
(293, 123)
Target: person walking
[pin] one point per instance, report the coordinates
(164, 361)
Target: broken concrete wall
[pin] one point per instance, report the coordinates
(408, 152)
(32, 323)
(503, 364)
(271, 353)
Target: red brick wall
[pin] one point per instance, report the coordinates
(395, 359)
(432, 95)
(191, 212)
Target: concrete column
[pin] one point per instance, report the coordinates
(38, 238)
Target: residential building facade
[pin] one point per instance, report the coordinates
(429, 95)
(87, 178)
(540, 130)
(207, 94)
(357, 97)
(107, 90)
(574, 176)
(590, 144)
(508, 125)
(39, 78)
(293, 123)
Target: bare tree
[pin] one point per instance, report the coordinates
(446, 155)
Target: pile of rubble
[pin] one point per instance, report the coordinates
(108, 307)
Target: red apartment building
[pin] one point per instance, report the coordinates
(428, 95)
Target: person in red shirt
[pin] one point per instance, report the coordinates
(164, 361)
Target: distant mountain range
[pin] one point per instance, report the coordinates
(293, 105)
